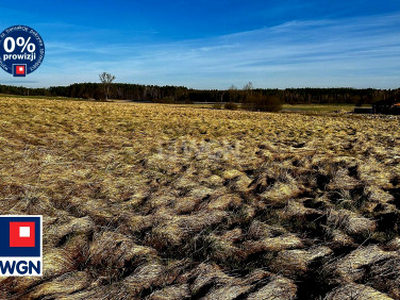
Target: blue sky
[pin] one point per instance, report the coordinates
(213, 44)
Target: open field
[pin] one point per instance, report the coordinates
(8, 96)
(301, 108)
(174, 202)
(320, 108)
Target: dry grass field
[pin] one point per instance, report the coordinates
(145, 201)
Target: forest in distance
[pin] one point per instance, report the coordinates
(180, 94)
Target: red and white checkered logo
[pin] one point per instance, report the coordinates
(22, 234)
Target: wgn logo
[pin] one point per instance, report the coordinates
(21, 246)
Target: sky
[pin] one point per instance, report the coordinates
(206, 44)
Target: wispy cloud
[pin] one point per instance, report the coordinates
(359, 52)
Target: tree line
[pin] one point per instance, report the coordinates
(180, 94)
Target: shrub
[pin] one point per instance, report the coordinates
(260, 102)
(217, 106)
(231, 106)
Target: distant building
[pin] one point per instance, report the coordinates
(388, 107)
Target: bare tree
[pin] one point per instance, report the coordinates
(106, 79)
(233, 93)
(248, 88)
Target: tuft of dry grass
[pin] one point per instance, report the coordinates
(353, 291)
(353, 267)
(278, 288)
(295, 263)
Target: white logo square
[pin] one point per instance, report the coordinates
(24, 231)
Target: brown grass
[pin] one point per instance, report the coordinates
(144, 201)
